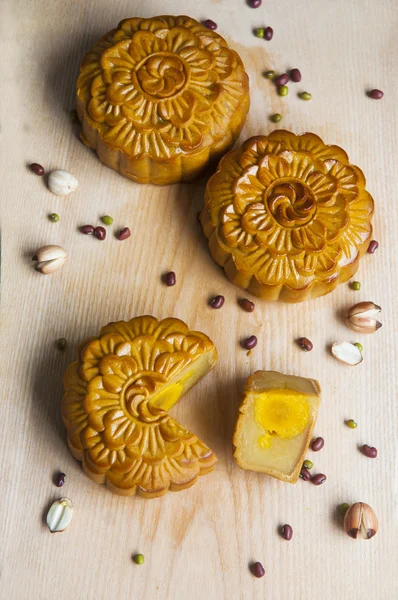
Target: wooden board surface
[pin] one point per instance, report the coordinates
(198, 543)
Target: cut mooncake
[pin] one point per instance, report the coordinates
(276, 419)
(287, 216)
(116, 400)
(159, 98)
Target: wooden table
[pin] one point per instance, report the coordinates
(198, 543)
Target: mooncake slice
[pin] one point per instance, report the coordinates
(159, 98)
(276, 419)
(116, 400)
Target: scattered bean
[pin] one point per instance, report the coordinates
(355, 285)
(305, 474)
(318, 444)
(305, 96)
(100, 233)
(376, 94)
(259, 32)
(170, 279)
(210, 24)
(37, 169)
(54, 217)
(295, 75)
(308, 464)
(282, 79)
(247, 305)
(268, 33)
(60, 479)
(305, 344)
(369, 451)
(359, 346)
(107, 220)
(283, 90)
(269, 74)
(250, 342)
(61, 344)
(351, 424)
(276, 118)
(87, 229)
(254, 3)
(123, 234)
(287, 532)
(373, 247)
(318, 479)
(343, 508)
(139, 559)
(217, 302)
(257, 569)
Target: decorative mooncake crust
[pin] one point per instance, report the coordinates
(123, 438)
(287, 217)
(158, 98)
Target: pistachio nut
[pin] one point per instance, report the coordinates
(362, 317)
(49, 259)
(60, 515)
(360, 518)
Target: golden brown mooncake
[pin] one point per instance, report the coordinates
(116, 400)
(275, 424)
(287, 216)
(159, 98)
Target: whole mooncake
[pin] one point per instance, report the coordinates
(159, 98)
(116, 400)
(287, 216)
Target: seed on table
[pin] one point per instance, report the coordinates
(87, 229)
(269, 74)
(210, 24)
(305, 96)
(295, 75)
(37, 169)
(217, 302)
(318, 444)
(61, 344)
(54, 217)
(254, 3)
(100, 233)
(373, 247)
(268, 33)
(247, 305)
(305, 474)
(318, 479)
(343, 508)
(276, 118)
(123, 234)
(308, 464)
(376, 94)
(283, 90)
(359, 346)
(170, 278)
(107, 220)
(259, 32)
(369, 451)
(139, 559)
(355, 285)
(257, 569)
(282, 79)
(305, 344)
(60, 479)
(287, 532)
(351, 424)
(250, 342)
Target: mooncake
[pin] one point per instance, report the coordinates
(276, 419)
(116, 402)
(287, 217)
(159, 98)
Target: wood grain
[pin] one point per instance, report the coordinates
(197, 544)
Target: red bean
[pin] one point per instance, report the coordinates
(100, 233)
(60, 480)
(170, 279)
(250, 342)
(269, 34)
(217, 302)
(257, 569)
(87, 229)
(37, 169)
(295, 75)
(369, 451)
(305, 474)
(318, 444)
(373, 247)
(247, 305)
(210, 24)
(282, 79)
(376, 94)
(287, 532)
(305, 344)
(318, 479)
(124, 234)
